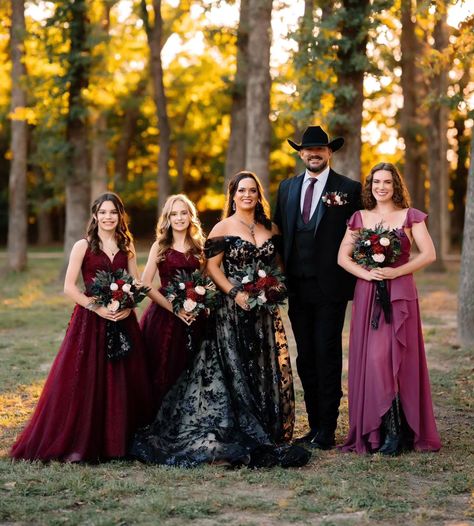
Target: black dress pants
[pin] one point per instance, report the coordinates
(317, 324)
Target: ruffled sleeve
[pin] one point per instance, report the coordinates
(355, 221)
(414, 216)
(214, 246)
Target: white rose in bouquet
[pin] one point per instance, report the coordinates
(113, 286)
(200, 290)
(114, 305)
(189, 305)
(378, 258)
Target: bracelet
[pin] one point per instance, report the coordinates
(92, 306)
(233, 292)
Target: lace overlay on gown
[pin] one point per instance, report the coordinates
(235, 402)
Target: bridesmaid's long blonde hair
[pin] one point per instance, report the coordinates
(164, 232)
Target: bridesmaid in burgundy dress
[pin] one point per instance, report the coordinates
(390, 407)
(90, 405)
(178, 246)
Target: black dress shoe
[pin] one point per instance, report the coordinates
(306, 439)
(323, 440)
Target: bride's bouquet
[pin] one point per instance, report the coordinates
(194, 292)
(377, 247)
(116, 290)
(264, 285)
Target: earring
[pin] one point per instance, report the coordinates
(233, 206)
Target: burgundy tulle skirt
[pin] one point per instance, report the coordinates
(90, 406)
(169, 344)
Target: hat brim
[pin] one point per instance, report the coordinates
(334, 145)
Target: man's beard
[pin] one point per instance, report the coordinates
(318, 170)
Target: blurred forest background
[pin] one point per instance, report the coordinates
(152, 97)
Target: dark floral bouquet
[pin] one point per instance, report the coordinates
(116, 290)
(193, 292)
(264, 285)
(377, 247)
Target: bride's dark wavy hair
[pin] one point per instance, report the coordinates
(262, 208)
(123, 237)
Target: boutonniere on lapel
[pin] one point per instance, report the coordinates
(334, 199)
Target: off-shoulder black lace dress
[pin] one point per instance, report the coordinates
(235, 402)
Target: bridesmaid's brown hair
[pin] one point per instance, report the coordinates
(123, 236)
(400, 193)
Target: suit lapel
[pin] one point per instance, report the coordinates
(332, 185)
(293, 207)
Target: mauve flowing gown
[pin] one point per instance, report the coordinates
(389, 360)
(90, 406)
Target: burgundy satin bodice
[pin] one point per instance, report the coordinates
(100, 261)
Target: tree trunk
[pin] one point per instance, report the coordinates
(78, 179)
(258, 90)
(236, 151)
(410, 127)
(99, 156)
(129, 126)
(17, 214)
(99, 153)
(437, 149)
(155, 42)
(458, 182)
(347, 118)
(466, 280)
(45, 227)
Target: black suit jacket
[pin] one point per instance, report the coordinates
(335, 282)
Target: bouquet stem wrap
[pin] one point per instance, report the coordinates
(381, 303)
(117, 341)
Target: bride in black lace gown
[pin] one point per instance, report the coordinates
(235, 403)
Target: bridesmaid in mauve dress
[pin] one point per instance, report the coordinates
(91, 405)
(178, 246)
(390, 407)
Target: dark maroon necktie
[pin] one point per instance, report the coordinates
(308, 199)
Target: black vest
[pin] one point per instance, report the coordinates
(302, 260)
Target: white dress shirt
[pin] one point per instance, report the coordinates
(318, 188)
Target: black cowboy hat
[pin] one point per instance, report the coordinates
(316, 136)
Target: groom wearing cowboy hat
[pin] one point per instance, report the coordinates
(311, 212)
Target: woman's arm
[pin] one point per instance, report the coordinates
(147, 278)
(426, 255)
(344, 259)
(70, 281)
(213, 268)
(149, 275)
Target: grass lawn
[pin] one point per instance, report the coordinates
(334, 489)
